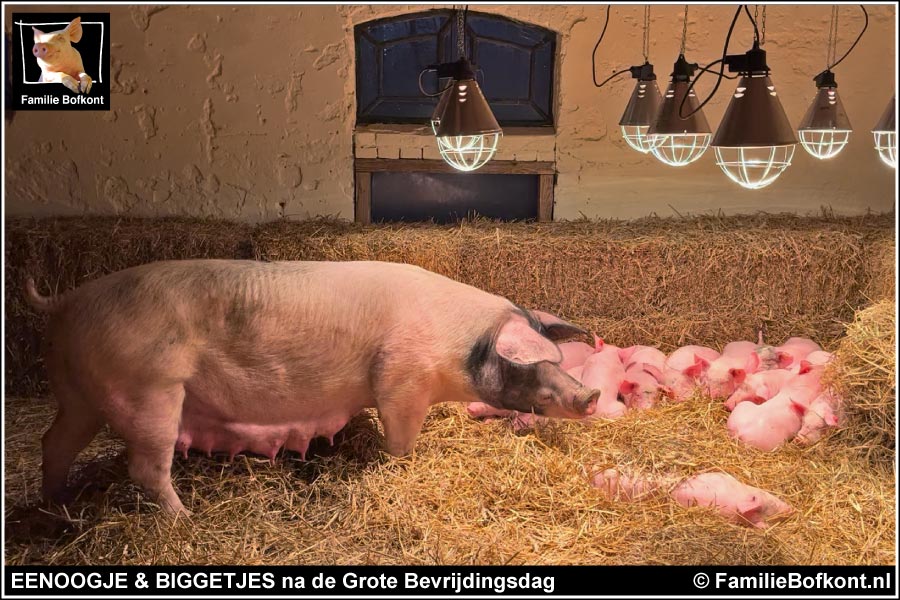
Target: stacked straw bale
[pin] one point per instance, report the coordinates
(666, 282)
(865, 374)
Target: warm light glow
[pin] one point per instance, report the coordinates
(886, 144)
(467, 152)
(679, 149)
(754, 167)
(824, 143)
(637, 138)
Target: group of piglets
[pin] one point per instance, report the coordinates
(774, 393)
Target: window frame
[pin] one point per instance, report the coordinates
(359, 30)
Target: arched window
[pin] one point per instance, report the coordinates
(516, 62)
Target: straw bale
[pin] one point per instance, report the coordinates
(864, 373)
(662, 281)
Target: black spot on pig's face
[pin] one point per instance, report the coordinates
(541, 388)
(537, 388)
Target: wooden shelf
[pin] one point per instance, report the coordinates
(415, 165)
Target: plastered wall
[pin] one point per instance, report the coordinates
(247, 112)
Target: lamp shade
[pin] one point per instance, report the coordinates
(755, 141)
(825, 128)
(885, 132)
(467, 133)
(466, 112)
(754, 117)
(677, 141)
(439, 110)
(640, 113)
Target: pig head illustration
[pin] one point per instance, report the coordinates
(59, 61)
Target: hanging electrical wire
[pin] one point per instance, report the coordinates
(721, 73)
(855, 42)
(594, 56)
(646, 33)
(753, 20)
(461, 24)
(830, 52)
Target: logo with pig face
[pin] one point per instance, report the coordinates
(63, 62)
(59, 61)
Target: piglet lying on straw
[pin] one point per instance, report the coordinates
(685, 369)
(774, 407)
(738, 502)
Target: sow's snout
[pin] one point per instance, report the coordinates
(577, 406)
(562, 396)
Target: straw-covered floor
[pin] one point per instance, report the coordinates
(478, 492)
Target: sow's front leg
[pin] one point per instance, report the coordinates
(403, 391)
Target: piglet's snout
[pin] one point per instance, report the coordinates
(40, 50)
(586, 401)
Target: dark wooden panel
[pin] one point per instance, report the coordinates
(545, 198)
(363, 197)
(413, 165)
(450, 197)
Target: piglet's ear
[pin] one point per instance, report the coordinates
(627, 387)
(785, 359)
(37, 34)
(752, 363)
(598, 343)
(805, 367)
(555, 327)
(798, 408)
(739, 375)
(625, 354)
(73, 30)
(696, 370)
(749, 506)
(654, 371)
(518, 343)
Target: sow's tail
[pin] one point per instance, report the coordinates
(40, 303)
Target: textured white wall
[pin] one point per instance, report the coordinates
(247, 112)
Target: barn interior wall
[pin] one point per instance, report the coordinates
(247, 112)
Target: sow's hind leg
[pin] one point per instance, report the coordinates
(72, 430)
(148, 421)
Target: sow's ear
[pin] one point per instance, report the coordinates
(518, 343)
(555, 327)
(73, 30)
